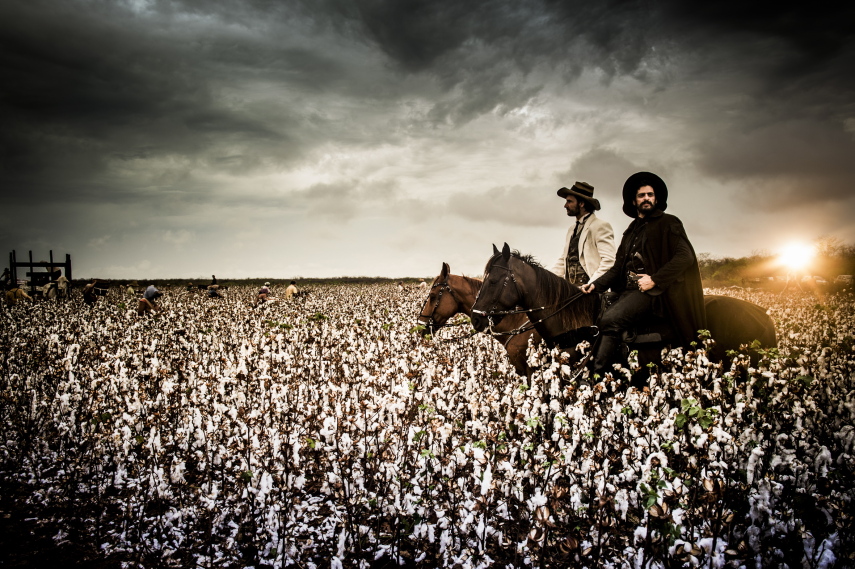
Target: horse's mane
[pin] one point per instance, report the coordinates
(554, 291)
(528, 259)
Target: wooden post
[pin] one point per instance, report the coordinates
(49, 265)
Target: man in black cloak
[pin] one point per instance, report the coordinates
(655, 272)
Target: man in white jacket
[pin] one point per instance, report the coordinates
(589, 249)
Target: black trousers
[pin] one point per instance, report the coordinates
(631, 307)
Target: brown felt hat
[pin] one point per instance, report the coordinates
(581, 190)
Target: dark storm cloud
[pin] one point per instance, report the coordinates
(177, 105)
(789, 70)
(785, 164)
(482, 53)
(90, 86)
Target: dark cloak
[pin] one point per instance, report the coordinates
(679, 294)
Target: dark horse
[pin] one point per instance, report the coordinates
(452, 294)
(562, 314)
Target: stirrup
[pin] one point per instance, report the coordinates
(580, 367)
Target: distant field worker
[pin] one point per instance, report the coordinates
(291, 290)
(16, 294)
(146, 303)
(92, 291)
(263, 292)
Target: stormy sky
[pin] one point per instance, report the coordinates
(323, 138)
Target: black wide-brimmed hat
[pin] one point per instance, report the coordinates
(639, 180)
(581, 190)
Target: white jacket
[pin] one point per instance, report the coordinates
(596, 248)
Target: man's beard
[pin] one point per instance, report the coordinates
(640, 207)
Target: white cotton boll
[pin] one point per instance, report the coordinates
(720, 435)
(536, 501)
(265, 484)
(345, 443)
(329, 429)
(487, 480)
(120, 475)
(756, 453)
(716, 558)
(176, 474)
(847, 437)
(621, 499)
(822, 461)
(824, 557)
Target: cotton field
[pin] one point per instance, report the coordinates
(322, 432)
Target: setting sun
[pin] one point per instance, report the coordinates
(796, 256)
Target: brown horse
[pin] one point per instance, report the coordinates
(452, 294)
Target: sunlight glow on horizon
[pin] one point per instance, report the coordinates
(796, 256)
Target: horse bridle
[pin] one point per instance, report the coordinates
(524, 327)
(443, 286)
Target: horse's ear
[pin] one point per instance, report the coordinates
(506, 252)
(443, 274)
(495, 250)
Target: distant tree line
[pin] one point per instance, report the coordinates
(409, 281)
(832, 258)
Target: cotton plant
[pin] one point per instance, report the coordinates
(215, 434)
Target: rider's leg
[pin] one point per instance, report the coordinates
(631, 307)
(607, 348)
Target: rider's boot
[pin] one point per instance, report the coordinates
(605, 356)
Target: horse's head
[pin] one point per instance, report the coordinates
(500, 291)
(441, 304)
